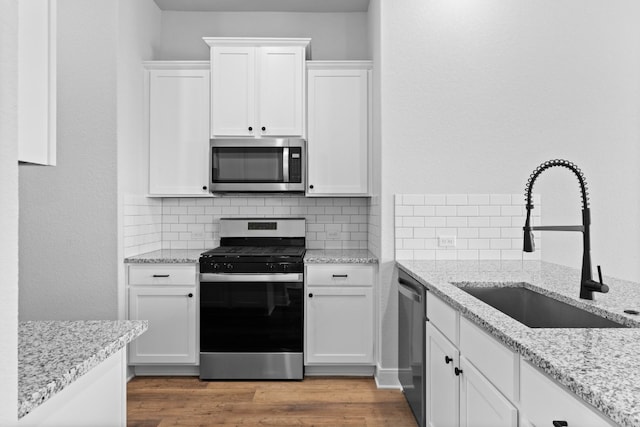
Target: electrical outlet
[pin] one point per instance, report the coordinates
(447, 241)
(197, 235)
(333, 235)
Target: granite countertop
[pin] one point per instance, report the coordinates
(339, 256)
(53, 354)
(167, 256)
(312, 256)
(601, 366)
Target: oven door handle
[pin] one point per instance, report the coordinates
(236, 277)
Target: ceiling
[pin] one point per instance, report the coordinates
(264, 5)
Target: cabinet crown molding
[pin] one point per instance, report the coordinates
(260, 41)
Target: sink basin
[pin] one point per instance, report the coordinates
(537, 310)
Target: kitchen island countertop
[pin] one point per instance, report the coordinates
(601, 366)
(54, 354)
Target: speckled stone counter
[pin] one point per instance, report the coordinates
(601, 366)
(53, 354)
(167, 256)
(339, 256)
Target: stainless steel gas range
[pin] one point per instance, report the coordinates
(251, 300)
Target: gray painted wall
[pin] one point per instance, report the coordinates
(334, 35)
(68, 233)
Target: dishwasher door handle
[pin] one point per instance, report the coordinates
(408, 292)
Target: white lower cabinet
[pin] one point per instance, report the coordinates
(543, 402)
(172, 314)
(458, 393)
(339, 315)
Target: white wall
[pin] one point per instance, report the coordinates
(476, 94)
(334, 35)
(8, 212)
(68, 233)
(138, 40)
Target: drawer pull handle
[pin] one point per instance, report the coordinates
(341, 275)
(560, 424)
(160, 275)
(190, 295)
(447, 360)
(310, 295)
(457, 371)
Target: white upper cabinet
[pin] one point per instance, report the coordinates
(338, 120)
(37, 83)
(178, 128)
(257, 87)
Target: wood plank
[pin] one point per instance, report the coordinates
(316, 401)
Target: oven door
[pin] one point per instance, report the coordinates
(270, 165)
(251, 326)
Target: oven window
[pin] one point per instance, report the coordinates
(251, 317)
(247, 164)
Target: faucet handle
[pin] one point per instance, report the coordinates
(603, 288)
(600, 274)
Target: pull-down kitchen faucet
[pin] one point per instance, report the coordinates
(587, 284)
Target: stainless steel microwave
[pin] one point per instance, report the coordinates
(257, 165)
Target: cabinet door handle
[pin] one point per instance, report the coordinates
(447, 359)
(457, 371)
(204, 187)
(190, 295)
(340, 275)
(160, 275)
(560, 424)
(250, 128)
(264, 128)
(310, 295)
(311, 186)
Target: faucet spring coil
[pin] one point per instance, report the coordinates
(563, 163)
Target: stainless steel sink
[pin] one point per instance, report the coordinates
(537, 310)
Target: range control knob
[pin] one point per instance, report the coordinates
(216, 267)
(229, 267)
(271, 267)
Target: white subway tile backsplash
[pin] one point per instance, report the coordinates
(169, 223)
(486, 226)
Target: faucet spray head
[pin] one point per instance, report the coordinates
(528, 243)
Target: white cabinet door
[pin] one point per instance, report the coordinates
(443, 386)
(37, 84)
(339, 325)
(481, 404)
(178, 132)
(338, 142)
(233, 79)
(281, 71)
(171, 312)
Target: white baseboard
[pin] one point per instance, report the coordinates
(339, 370)
(387, 378)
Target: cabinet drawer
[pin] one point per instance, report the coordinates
(493, 359)
(443, 316)
(340, 275)
(162, 275)
(543, 401)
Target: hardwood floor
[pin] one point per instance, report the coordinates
(186, 401)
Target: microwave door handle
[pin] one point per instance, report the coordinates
(285, 164)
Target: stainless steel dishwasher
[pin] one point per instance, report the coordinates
(412, 306)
